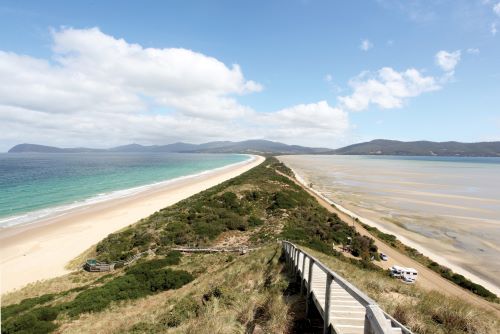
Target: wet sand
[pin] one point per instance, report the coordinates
(424, 208)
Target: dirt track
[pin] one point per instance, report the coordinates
(427, 278)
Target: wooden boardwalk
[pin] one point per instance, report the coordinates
(344, 309)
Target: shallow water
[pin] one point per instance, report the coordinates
(449, 205)
(35, 186)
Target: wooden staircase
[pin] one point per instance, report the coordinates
(344, 309)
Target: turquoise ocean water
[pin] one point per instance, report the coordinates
(34, 186)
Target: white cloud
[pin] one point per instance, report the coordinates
(366, 45)
(101, 91)
(473, 51)
(493, 29)
(387, 88)
(95, 71)
(447, 60)
(313, 123)
(496, 8)
(318, 115)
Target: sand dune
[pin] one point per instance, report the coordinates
(41, 250)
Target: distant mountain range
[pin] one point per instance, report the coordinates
(422, 148)
(247, 146)
(374, 147)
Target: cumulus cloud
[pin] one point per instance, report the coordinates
(92, 70)
(314, 123)
(101, 91)
(301, 118)
(496, 8)
(387, 88)
(447, 61)
(366, 45)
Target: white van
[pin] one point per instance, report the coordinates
(409, 274)
(397, 271)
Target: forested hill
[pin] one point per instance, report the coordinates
(422, 148)
(247, 146)
(374, 147)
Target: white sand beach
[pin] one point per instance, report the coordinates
(42, 250)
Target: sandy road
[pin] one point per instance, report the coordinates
(427, 278)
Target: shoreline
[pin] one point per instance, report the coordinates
(426, 252)
(62, 209)
(42, 249)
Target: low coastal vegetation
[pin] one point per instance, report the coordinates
(221, 293)
(261, 202)
(440, 269)
(34, 315)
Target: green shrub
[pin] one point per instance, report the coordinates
(283, 200)
(363, 247)
(184, 309)
(236, 223)
(15, 309)
(253, 195)
(37, 321)
(140, 280)
(254, 221)
(230, 200)
(208, 230)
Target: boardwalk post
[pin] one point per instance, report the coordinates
(288, 257)
(309, 287)
(295, 260)
(375, 322)
(285, 251)
(302, 276)
(326, 316)
(285, 247)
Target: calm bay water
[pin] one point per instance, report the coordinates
(33, 186)
(448, 205)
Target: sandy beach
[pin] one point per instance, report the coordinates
(41, 250)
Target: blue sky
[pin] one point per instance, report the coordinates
(322, 73)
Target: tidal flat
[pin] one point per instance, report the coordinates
(449, 206)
